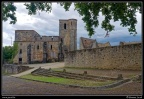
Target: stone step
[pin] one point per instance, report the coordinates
(46, 72)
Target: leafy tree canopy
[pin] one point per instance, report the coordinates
(123, 12)
(9, 52)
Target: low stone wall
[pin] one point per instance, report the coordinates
(126, 57)
(14, 69)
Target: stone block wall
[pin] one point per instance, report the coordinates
(14, 69)
(23, 47)
(53, 50)
(128, 57)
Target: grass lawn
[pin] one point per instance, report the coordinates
(66, 81)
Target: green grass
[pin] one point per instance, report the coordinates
(45, 79)
(131, 76)
(66, 81)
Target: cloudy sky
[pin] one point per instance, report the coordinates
(48, 24)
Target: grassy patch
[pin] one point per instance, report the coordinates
(66, 81)
(131, 76)
(45, 79)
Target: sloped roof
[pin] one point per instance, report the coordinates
(87, 43)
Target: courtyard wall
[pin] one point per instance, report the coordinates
(125, 57)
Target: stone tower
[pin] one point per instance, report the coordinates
(68, 33)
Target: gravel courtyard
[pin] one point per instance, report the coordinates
(12, 85)
(16, 86)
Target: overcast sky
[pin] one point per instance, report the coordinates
(48, 24)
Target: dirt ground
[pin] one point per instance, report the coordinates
(16, 86)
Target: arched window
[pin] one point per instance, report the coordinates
(65, 26)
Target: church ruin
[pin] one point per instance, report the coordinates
(34, 48)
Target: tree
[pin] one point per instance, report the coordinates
(9, 52)
(8, 11)
(123, 12)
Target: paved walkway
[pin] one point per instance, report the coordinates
(36, 66)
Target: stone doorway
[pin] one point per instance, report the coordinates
(20, 60)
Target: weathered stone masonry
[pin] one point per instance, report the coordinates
(33, 48)
(114, 57)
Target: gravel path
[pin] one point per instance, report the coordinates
(16, 86)
(36, 66)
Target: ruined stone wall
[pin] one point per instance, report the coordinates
(23, 47)
(53, 50)
(115, 57)
(14, 69)
(36, 51)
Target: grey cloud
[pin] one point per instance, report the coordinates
(48, 24)
(116, 40)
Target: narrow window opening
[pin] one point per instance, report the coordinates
(38, 47)
(20, 51)
(61, 40)
(65, 26)
(51, 47)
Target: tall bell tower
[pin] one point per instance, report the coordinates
(68, 33)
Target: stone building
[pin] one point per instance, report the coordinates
(68, 33)
(86, 43)
(33, 47)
